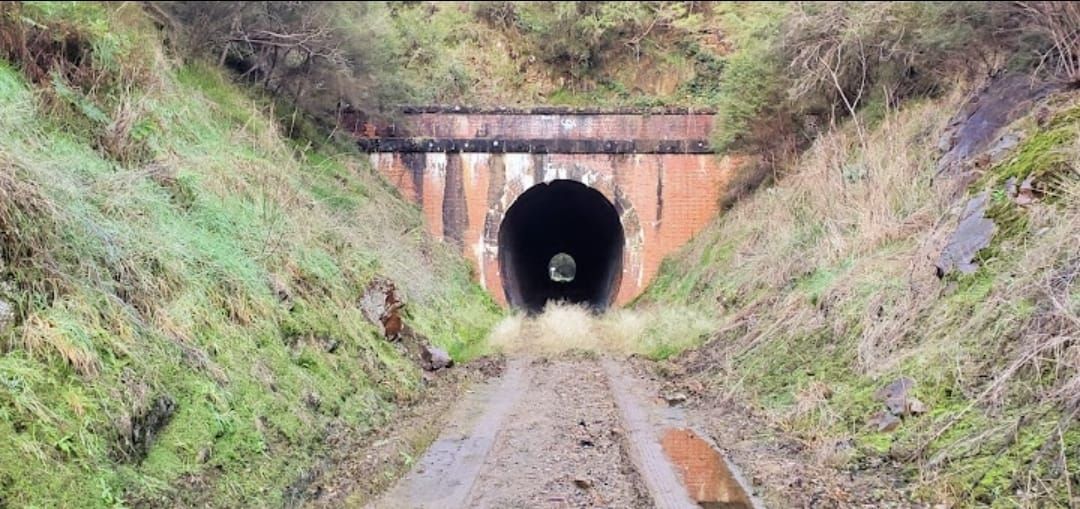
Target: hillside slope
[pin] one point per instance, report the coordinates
(179, 281)
(823, 292)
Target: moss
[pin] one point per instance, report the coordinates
(1041, 154)
(818, 282)
(160, 276)
(878, 443)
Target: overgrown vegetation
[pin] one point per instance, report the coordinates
(180, 280)
(776, 73)
(823, 289)
(563, 327)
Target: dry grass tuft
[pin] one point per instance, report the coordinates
(622, 327)
(23, 248)
(508, 333)
(823, 289)
(561, 327)
(41, 337)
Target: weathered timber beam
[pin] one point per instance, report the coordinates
(550, 110)
(534, 146)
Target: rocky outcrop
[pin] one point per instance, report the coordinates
(972, 234)
(382, 306)
(974, 136)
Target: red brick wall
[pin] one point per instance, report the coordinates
(664, 199)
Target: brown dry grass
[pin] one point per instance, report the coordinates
(830, 272)
(561, 327)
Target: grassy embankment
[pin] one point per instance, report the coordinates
(822, 290)
(153, 219)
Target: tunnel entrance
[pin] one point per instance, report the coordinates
(565, 218)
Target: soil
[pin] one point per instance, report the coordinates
(573, 430)
(562, 446)
(780, 469)
(579, 430)
(369, 466)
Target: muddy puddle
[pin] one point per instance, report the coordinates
(707, 478)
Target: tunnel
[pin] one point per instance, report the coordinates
(561, 241)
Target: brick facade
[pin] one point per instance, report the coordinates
(663, 199)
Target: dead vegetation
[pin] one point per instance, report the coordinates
(563, 327)
(1060, 23)
(152, 215)
(834, 295)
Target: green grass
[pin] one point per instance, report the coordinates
(814, 296)
(146, 278)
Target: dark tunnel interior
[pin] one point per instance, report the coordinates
(562, 216)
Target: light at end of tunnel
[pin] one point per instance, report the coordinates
(562, 268)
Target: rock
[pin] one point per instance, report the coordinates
(895, 394)
(1003, 147)
(894, 389)
(981, 119)
(434, 358)
(1010, 187)
(7, 314)
(1025, 195)
(884, 421)
(916, 407)
(896, 405)
(972, 234)
(675, 399)
(204, 455)
(898, 399)
(381, 306)
(582, 483)
(144, 416)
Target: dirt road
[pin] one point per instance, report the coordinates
(567, 431)
(549, 423)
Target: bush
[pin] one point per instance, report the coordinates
(322, 56)
(578, 36)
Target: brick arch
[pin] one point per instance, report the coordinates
(518, 183)
(465, 168)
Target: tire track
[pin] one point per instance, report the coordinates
(446, 472)
(562, 446)
(568, 432)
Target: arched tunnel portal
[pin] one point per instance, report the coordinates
(466, 167)
(562, 217)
